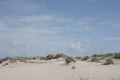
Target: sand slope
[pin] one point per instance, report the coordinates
(56, 70)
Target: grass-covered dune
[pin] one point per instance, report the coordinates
(61, 67)
(109, 57)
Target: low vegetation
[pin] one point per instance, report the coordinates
(108, 61)
(5, 59)
(48, 57)
(97, 55)
(116, 55)
(30, 58)
(78, 57)
(85, 58)
(94, 58)
(55, 56)
(70, 60)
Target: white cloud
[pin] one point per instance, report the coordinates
(46, 19)
(84, 21)
(41, 18)
(30, 35)
(77, 47)
(26, 41)
(88, 28)
(2, 25)
(116, 25)
(113, 38)
(20, 7)
(87, 20)
(105, 22)
(80, 47)
(57, 22)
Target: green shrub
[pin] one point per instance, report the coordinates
(94, 59)
(117, 55)
(85, 58)
(97, 55)
(69, 60)
(34, 58)
(4, 59)
(62, 55)
(50, 56)
(109, 55)
(0, 61)
(108, 61)
(42, 58)
(56, 56)
(78, 57)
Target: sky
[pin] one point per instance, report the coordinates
(75, 27)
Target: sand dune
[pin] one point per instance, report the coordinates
(56, 70)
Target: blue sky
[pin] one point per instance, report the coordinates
(76, 27)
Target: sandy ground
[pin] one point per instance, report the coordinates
(56, 70)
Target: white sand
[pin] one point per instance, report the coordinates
(55, 70)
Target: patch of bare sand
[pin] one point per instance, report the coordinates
(55, 70)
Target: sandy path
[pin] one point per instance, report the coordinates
(56, 71)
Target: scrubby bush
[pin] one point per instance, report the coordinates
(85, 58)
(42, 58)
(78, 57)
(0, 61)
(117, 55)
(108, 61)
(38, 57)
(50, 56)
(56, 56)
(62, 55)
(34, 58)
(94, 59)
(109, 55)
(5, 64)
(24, 59)
(69, 60)
(97, 55)
(4, 59)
